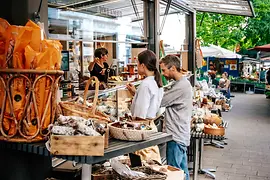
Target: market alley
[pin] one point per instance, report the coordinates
(246, 157)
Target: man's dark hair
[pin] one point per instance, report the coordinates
(100, 52)
(172, 60)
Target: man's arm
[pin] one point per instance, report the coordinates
(170, 96)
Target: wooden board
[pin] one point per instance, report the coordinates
(124, 94)
(77, 145)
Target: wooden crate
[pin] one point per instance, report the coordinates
(77, 145)
(103, 177)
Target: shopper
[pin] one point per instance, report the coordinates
(224, 85)
(99, 67)
(147, 99)
(267, 77)
(178, 103)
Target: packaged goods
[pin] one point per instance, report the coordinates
(28, 96)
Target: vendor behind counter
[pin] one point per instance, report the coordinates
(99, 67)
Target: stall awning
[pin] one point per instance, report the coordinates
(233, 7)
(264, 48)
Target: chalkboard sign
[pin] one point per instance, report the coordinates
(65, 61)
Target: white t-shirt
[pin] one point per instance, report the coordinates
(147, 99)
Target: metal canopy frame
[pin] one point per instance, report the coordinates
(131, 8)
(232, 7)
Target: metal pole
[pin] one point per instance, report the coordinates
(196, 158)
(207, 64)
(157, 28)
(191, 45)
(86, 172)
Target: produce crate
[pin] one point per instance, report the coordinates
(103, 177)
(77, 145)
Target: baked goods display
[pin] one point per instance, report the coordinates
(130, 131)
(205, 121)
(73, 125)
(214, 130)
(116, 78)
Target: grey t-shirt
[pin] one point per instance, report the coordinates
(178, 103)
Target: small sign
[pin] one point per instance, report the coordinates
(226, 66)
(110, 12)
(231, 62)
(233, 67)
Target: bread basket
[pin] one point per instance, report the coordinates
(129, 134)
(217, 132)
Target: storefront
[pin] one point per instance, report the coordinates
(123, 27)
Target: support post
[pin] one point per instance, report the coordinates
(86, 172)
(18, 12)
(191, 45)
(152, 24)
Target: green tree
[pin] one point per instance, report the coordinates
(227, 30)
(257, 31)
(220, 29)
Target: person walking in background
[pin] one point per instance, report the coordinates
(224, 85)
(178, 103)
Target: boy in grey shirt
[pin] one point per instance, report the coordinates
(178, 103)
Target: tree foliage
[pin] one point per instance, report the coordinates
(227, 30)
(258, 28)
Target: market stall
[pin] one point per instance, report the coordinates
(76, 127)
(208, 126)
(220, 60)
(81, 26)
(263, 57)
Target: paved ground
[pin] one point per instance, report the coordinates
(247, 155)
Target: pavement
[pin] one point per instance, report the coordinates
(247, 155)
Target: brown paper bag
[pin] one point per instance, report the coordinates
(52, 55)
(37, 36)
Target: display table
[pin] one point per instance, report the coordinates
(40, 157)
(237, 83)
(253, 85)
(195, 152)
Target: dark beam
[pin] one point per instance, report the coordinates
(191, 25)
(18, 12)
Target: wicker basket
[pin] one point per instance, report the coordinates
(151, 174)
(128, 134)
(217, 132)
(28, 103)
(76, 109)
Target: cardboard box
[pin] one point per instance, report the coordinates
(102, 177)
(172, 172)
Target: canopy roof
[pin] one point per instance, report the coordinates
(134, 8)
(219, 52)
(123, 8)
(233, 7)
(264, 48)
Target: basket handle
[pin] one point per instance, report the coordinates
(96, 92)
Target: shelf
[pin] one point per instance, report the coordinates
(114, 89)
(62, 37)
